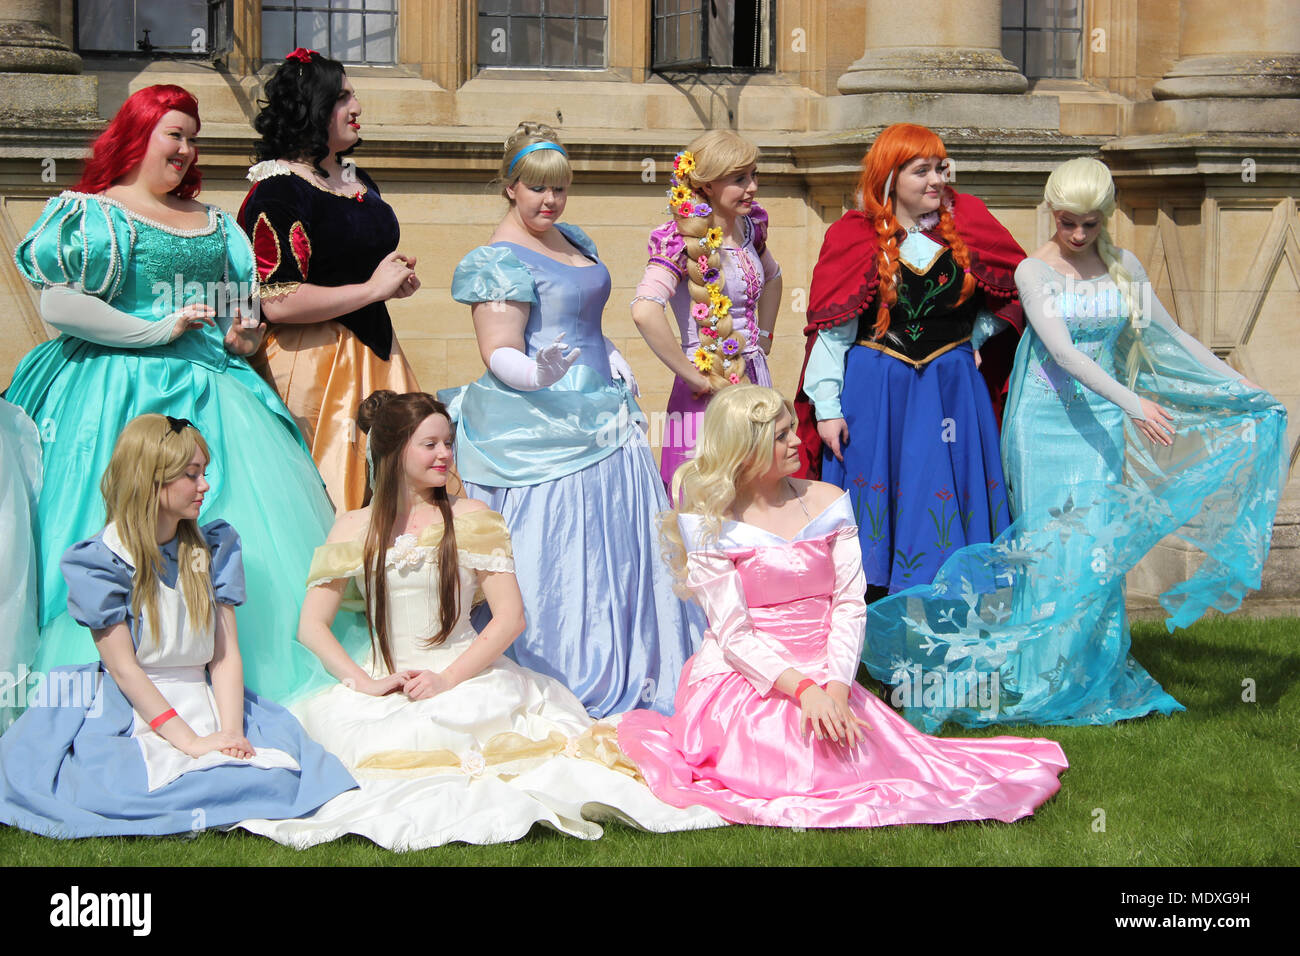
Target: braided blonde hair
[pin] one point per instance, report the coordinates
(710, 157)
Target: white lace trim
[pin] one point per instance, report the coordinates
(266, 169)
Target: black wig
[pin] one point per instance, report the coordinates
(294, 118)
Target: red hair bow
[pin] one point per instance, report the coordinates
(302, 55)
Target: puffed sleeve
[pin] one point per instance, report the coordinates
(492, 274)
(667, 249)
(758, 219)
(278, 228)
(483, 542)
(77, 241)
(99, 584)
(713, 578)
(227, 562)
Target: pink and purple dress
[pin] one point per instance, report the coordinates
(733, 743)
(746, 269)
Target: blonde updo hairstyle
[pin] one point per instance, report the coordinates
(734, 448)
(1082, 186)
(718, 154)
(147, 455)
(541, 167)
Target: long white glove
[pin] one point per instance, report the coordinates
(527, 375)
(619, 367)
(94, 320)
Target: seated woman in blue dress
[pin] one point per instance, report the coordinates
(101, 253)
(116, 748)
(548, 437)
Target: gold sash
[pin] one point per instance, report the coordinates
(917, 364)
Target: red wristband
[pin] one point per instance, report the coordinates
(803, 686)
(162, 718)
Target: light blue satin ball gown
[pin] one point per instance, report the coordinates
(1032, 628)
(570, 470)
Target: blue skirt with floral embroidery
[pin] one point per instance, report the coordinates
(922, 465)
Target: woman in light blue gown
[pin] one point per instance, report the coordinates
(145, 284)
(549, 438)
(1119, 429)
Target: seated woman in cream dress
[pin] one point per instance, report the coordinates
(450, 740)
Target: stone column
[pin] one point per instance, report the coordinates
(39, 81)
(933, 46)
(1235, 50)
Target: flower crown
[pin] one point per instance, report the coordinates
(684, 202)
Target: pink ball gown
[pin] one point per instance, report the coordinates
(733, 744)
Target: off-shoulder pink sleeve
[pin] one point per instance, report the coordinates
(658, 283)
(848, 606)
(712, 575)
(668, 249)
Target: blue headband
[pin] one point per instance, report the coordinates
(532, 148)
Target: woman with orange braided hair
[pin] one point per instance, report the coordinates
(891, 403)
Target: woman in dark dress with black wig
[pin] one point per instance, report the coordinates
(327, 258)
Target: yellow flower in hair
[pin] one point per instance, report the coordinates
(679, 194)
(722, 306)
(685, 163)
(713, 238)
(703, 360)
(715, 292)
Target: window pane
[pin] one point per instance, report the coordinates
(559, 46)
(526, 6)
(1013, 14)
(525, 42)
(493, 6)
(379, 38)
(312, 31)
(277, 34)
(591, 8)
(1067, 58)
(1069, 13)
(560, 8)
(592, 41)
(345, 37)
(493, 48)
(1041, 13)
(1038, 53)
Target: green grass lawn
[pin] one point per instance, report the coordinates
(1218, 785)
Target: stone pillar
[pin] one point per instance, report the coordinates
(28, 43)
(39, 81)
(1235, 50)
(933, 46)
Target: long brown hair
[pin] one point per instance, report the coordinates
(389, 420)
(894, 148)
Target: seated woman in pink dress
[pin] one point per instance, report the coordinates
(769, 726)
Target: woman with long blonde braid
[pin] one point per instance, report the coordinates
(906, 292)
(711, 262)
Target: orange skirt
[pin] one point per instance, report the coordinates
(323, 372)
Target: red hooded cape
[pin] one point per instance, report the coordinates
(844, 286)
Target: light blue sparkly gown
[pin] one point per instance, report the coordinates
(81, 394)
(570, 470)
(1032, 629)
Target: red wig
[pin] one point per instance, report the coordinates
(121, 147)
(894, 148)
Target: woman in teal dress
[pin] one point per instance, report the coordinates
(146, 284)
(1119, 429)
(548, 437)
(20, 485)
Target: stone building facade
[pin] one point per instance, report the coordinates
(1194, 104)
